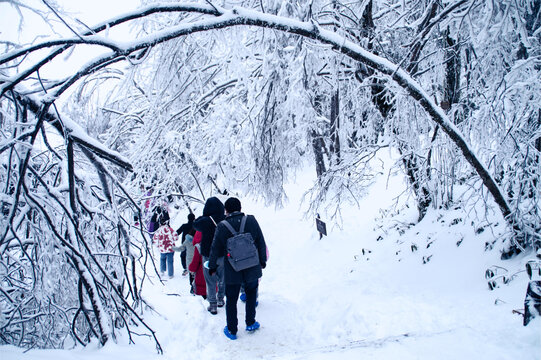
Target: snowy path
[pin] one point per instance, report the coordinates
(324, 299)
(320, 301)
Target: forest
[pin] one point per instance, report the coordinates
(241, 95)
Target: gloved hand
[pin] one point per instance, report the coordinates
(212, 271)
(263, 265)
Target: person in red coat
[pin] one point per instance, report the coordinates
(196, 266)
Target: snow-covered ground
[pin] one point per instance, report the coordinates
(359, 293)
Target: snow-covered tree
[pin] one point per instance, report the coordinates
(236, 96)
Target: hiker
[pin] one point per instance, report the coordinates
(213, 213)
(234, 279)
(196, 268)
(154, 222)
(188, 248)
(183, 231)
(165, 238)
(160, 209)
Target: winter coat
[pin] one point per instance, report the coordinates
(219, 248)
(213, 213)
(154, 222)
(196, 266)
(184, 229)
(189, 247)
(165, 238)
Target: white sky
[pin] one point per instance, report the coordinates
(95, 11)
(31, 27)
(89, 12)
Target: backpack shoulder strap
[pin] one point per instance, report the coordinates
(242, 224)
(229, 227)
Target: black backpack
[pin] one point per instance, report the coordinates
(241, 250)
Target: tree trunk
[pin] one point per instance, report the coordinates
(451, 96)
(335, 127)
(317, 146)
(382, 99)
(318, 143)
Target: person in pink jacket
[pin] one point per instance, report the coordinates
(165, 238)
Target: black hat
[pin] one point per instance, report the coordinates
(232, 204)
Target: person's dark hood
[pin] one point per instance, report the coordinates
(214, 207)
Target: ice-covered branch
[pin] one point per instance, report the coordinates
(240, 16)
(78, 134)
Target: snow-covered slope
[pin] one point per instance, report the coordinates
(374, 288)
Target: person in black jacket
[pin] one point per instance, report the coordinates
(154, 222)
(184, 230)
(213, 213)
(233, 279)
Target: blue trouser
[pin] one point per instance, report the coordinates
(232, 293)
(167, 257)
(215, 281)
